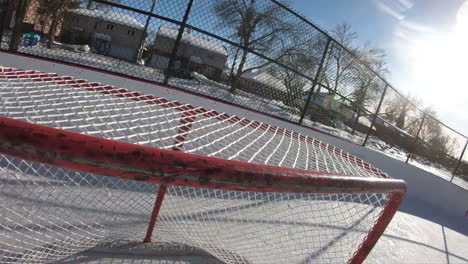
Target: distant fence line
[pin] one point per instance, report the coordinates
(262, 55)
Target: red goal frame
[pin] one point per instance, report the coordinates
(92, 154)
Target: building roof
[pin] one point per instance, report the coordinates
(265, 78)
(117, 18)
(320, 95)
(387, 124)
(171, 33)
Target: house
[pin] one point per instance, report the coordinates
(113, 34)
(393, 135)
(194, 53)
(262, 83)
(327, 105)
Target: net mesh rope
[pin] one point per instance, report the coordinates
(49, 213)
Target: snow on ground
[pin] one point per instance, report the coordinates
(377, 144)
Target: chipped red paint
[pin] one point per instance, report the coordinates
(135, 162)
(188, 117)
(149, 99)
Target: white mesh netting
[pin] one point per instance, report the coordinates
(48, 213)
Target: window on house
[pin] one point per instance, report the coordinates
(131, 32)
(110, 27)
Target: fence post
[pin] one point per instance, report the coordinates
(3, 11)
(141, 42)
(375, 115)
(315, 82)
(177, 42)
(16, 33)
(459, 161)
(416, 138)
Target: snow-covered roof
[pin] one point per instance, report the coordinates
(117, 18)
(379, 120)
(171, 33)
(266, 78)
(365, 121)
(319, 96)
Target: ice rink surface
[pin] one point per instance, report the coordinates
(118, 213)
(420, 232)
(408, 239)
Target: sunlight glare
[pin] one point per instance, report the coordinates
(439, 63)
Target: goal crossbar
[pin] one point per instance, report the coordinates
(79, 138)
(91, 154)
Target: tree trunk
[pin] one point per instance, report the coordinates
(2, 25)
(231, 73)
(358, 115)
(337, 78)
(236, 82)
(52, 30)
(400, 123)
(17, 30)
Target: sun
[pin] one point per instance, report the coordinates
(439, 61)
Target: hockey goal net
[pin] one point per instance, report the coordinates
(85, 164)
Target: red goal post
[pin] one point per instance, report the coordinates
(173, 167)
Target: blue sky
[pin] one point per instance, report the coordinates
(426, 42)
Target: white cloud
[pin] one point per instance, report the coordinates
(390, 9)
(406, 3)
(417, 28)
(396, 9)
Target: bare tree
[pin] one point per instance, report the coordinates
(400, 110)
(20, 14)
(4, 5)
(258, 28)
(304, 59)
(368, 84)
(433, 134)
(340, 59)
(55, 11)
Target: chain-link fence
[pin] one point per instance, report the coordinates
(258, 54)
